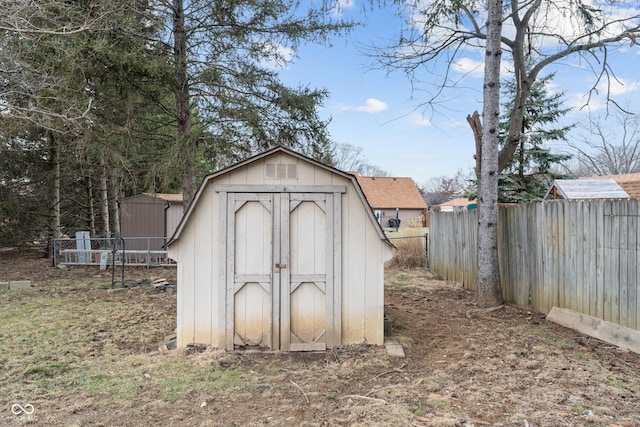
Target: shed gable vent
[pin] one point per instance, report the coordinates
(281, 171)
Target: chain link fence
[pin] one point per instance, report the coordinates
(130, 251)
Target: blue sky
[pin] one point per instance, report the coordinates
(378, 111)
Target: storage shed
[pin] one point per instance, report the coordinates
(149, 215)
(583, 189)
(280, 252)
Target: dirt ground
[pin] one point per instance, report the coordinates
(83, 355)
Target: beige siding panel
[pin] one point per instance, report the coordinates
(324, 177)
(202, 273)
(374, 298)
(180, 297)
(334, 272)
(632, 266)
(255, 173)
(349, 266)
(218, 268)
(187, 292)
(238, 176)
(174, 215)
(354, 270)
(306, 173)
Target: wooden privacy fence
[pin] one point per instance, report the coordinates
(580, 255)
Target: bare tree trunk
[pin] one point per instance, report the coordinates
(92, 210)
(54, 192)
(476, 128)
(115, 207)
(489, 292)
(183, 110)
(103, 197)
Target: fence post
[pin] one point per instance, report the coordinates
(426, 251)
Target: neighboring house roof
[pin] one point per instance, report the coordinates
(460, 201)
(167, 197)
(391, 193)
(586, 189)
(629, 182)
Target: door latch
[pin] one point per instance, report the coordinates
(281, 265)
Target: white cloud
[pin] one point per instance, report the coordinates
(469, 66)
(371, 106)
(474, 68)
(597, 100)
(277, 56)
(342, 107)
(552, 88)
(418, 119)
(618, 87)
(342, 5)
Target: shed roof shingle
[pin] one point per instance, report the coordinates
(391, 193)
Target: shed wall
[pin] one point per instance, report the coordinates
(173, 217)
(142, 216)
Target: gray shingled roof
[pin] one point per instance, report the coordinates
(586, 189)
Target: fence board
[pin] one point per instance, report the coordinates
(600, 255)
(572, 257)
(580, 255)
(623, 316)
(635, 260)
(632, 265)
(554, 282)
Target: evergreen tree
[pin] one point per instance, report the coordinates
(225, 57)
(79, 80)
(527, 176)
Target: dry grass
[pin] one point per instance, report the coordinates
(415, 222)
(82, 355)
(409, 254)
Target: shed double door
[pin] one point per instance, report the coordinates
(282, 253)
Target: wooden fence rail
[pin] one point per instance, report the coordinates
(580, 255)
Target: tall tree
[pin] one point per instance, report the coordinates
(489, 291)
(225, 59)
(527, 177)
(43, 89)
(540, 33)
(72, 69)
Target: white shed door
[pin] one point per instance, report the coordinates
(281, 292)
